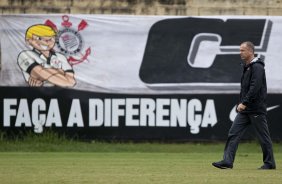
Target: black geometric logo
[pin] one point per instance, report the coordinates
(200, 52)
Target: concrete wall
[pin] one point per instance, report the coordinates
(143, 7)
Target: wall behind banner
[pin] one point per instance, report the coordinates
(144, 7)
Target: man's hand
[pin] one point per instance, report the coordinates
(241, 107)
(34, 82)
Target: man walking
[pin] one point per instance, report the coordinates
(251, 110)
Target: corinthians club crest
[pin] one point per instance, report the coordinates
(69, 40)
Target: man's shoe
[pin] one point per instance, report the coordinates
(265, 167)
(222, 165)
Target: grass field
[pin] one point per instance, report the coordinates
(130, 168)
(64, 162)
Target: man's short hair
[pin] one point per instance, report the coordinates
(40, 30)
(250, 45)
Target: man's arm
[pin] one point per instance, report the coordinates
(255, 83)
(55, 76)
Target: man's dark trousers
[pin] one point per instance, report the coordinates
(239, 126)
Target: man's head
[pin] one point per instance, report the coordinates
(247, 51)
(41, 37)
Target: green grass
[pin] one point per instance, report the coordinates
(49, 159)
(130, 168)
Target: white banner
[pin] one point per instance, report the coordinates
(136, 54)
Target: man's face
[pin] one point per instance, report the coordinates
(43, 43)
(245, 52)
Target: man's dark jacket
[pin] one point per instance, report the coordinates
(253, 88)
